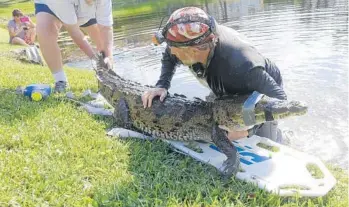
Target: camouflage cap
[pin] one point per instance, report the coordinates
(189, 26)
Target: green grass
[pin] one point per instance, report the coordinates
(267, 147)
(5, 47)
(52, 153)
(7, 6)
(315, 171)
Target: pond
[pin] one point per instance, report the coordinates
(307, 39)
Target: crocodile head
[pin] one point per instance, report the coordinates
(281, 109)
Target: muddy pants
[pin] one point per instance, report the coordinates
(270, 130)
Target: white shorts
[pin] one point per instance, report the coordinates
(104, 12)
(79, 11)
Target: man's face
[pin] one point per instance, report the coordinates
(188, 55)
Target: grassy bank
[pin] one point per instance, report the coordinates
(54, 154)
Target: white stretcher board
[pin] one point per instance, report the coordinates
(283, 172)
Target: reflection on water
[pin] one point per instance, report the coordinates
(308, 40)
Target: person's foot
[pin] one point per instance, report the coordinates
(60, 87)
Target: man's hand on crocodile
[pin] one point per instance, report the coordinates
(234, 135)
(149, 95)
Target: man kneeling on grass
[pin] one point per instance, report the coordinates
(221, 58)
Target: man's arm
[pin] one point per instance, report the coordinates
(259, 80)
(79, 39)
(168, 62)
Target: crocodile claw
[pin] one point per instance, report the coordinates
(231, 166)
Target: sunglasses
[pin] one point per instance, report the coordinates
(203, 46)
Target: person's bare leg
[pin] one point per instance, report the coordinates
(80, 40)
(104, 17)
(48, 27)
(106, 33)
(18, 41)
(94, 33)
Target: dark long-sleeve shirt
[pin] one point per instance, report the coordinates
(235, 68)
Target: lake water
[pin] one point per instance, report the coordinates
(308, 40)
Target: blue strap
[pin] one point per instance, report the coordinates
(248, 109)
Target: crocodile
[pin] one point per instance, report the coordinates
(178, 118)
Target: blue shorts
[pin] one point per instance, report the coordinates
(90, 22)
(45, 8)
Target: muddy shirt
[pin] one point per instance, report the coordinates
(235, 68)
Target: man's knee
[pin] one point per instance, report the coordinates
(268, 130)
(18, 41)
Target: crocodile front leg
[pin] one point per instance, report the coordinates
(220, 139)
(122, 114)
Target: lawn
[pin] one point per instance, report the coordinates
(52, 153)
